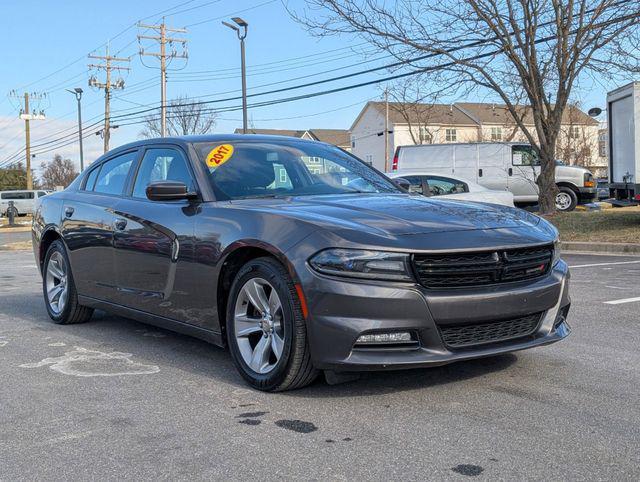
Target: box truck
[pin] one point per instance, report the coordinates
(623, 111)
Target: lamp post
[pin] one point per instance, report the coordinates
(242, 34)
(78, 93)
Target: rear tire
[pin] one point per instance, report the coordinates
(566, 199)
(59, 289)
(268, 343)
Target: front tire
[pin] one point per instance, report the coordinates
(59, 289)
(566, 199)
(266, 330)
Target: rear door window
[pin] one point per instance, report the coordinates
(441, 186)
(113, 174)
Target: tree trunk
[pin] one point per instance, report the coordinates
(547, 182)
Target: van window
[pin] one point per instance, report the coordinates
(17, 195)
(41, 193)
(524, 156)
(113, 174)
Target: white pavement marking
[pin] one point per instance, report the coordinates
(624, 300)
(91, 363)
(602, 264)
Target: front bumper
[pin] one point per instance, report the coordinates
(340, 311)
(587, 194)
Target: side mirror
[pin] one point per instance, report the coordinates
(403, 183)
(168, 191)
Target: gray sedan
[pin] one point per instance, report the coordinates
(262, 244)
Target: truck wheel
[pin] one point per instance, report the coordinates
(566, 199)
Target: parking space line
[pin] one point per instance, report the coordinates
(624, 300)
(603, 264)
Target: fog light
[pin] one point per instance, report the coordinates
(397, 337)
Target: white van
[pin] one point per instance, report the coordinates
(24, 201)
(498, 166)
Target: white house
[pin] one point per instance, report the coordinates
(411, 124)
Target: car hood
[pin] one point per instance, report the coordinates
(394, 214)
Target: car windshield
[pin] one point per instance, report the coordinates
(249, 169)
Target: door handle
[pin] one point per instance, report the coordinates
(68, 211)
(479, 172)
(120, 224)
(511, 171)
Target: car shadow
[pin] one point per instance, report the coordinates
(383, 382)
(157, 345)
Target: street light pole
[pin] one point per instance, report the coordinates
(241, 36)
(78, 93)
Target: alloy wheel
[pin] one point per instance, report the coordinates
(56, 282)
(563, 201)
(259, 325)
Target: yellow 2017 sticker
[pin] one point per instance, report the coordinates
(219, 155)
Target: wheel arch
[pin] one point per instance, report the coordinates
(570, 185)
(233, 259)
(48, 236)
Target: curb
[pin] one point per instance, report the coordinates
(17, 229)
(613, 248)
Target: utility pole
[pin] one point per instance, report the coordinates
(107, 66)
(163, 40)
(27, 116)
(386, 129)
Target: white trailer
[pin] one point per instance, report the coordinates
(623, 110)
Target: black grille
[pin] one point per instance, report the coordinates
(462, 336)
(484, 268)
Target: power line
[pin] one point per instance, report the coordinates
(361, 84)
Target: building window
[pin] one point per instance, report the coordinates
(368, 159)
(451, 135)
(574, 132)
(353, 141)
(496, 133)
(424, 135)
(283, 176)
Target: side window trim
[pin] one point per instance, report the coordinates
(111, 157)
(93, 169)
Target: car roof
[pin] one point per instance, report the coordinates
(192, 139)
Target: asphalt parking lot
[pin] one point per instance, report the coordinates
(116, 399)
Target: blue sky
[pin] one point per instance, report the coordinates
(51, 41)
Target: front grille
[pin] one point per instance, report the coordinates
(462, 336)
(482, 268)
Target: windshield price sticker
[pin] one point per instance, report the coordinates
(219, 155)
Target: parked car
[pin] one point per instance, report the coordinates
(431, 184)
(23, 201)
(498, 166)
(245, 241)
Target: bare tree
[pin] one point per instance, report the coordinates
(57, 172)
(575, 145)
(185, 116)
(534, 49)
(415, 104)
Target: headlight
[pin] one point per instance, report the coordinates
(356, 263)
(556, 251)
